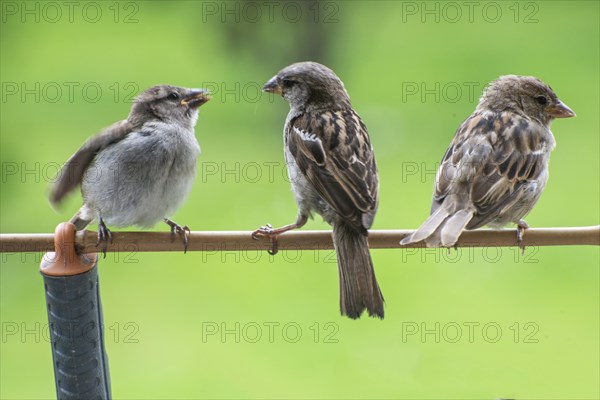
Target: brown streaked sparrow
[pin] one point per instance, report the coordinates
(332, 170)
(496, 167)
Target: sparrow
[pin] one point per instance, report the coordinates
(496, 167)
(332, 170)
(139, 170)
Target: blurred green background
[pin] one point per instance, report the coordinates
(483, 323)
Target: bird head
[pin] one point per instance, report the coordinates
(525, 95)
(309, 86)
(169, 104)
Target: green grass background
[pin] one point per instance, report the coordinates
(158, 307)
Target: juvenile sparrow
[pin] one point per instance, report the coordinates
(140, 170)
(332, 170)
(496, 167)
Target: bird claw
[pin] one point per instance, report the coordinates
(104, 236)
(265, 230)
(449, 249)
(182, 231)
(521, 227)
(268, 231)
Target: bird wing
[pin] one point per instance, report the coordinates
(333, 151)
(490, 159)
(71, 173)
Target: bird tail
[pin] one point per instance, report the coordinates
(441, 229)
(358, 286)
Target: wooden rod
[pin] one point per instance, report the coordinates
(294, 240)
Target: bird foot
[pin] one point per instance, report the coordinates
(182, 231)
(449, 249)
(268, 231)
(272, 233)
(104, 236)
(521, 226)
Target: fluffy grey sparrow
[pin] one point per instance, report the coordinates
(140, 170)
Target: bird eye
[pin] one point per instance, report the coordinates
(541, 100)
(287, 83)
(174, 96)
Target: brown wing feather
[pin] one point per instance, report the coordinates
(462, 161)
(339, 162)
(71, 173)
(491, 156)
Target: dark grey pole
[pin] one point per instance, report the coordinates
(75, 320)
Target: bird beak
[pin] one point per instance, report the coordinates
(196, 98)
(272, 86)
(560, 110)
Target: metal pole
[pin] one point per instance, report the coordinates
(75, 320)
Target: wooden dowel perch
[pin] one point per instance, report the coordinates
(295, 240)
